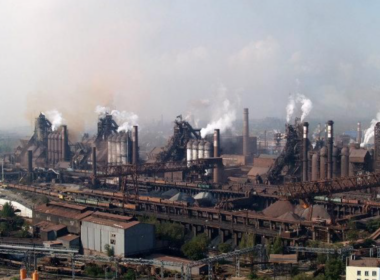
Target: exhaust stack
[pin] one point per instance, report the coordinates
(305, 167)
(246, 151)
(330, 147)
(359, 133)
(216, 154)
(135, 147)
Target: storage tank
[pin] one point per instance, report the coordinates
(201, 149)
(118, 148)
(124, 148)
(323, 163)
(109, 150)
(344, 162)
(315, 167)
(195, 149)
(189, 151)
(335, 158)
(208, 150)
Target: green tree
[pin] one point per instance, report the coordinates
(247, 241)
(277, 246)
(130, 275)
(7, 211)
(110, 251)
(224, 248)
(334, 268)
(93, 270)
(196, 248)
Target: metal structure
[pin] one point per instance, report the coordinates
(307, 190)
(175, 150)
(290, 157)
(106, 127)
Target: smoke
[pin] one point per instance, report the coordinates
(125, 120)
(294, 101)
(370, 132)
(55, 117)
(224, 114)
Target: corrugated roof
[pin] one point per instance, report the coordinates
(62, 211)
(365, 262)
(69, 237)
(110, 223)
(112, 216)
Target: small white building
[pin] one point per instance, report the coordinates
(125, 236)
(363, 268)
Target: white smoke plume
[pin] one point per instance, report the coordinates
(296, 100)
(370, 132)
(55, 117)
(224, 120)
(125, 120)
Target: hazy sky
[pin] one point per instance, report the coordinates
(166, 57)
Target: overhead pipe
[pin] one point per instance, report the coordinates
(330, 147)
(305, 167)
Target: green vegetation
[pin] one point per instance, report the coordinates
(93, 270)
(196, 248)
(373, 225)
(247, 241)
(224, 248)
(130, 275)
(11, 222)
(109, 250)
(334, 268)
(172, 232)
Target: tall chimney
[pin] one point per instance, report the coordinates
(305, 168)
(135, 147)
(94, 166)
(330, 147)
(377, 148)
(216, 154)
(359, 133)
(245, 134)
(65, 144)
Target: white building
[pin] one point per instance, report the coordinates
(363, 268)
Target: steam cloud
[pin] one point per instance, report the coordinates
(370, 132)
(55, 117)
(124, 119)
(224, 115)
(294, 101)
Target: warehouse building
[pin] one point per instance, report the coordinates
(125, 236)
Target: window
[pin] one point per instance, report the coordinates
(366, 273)
(113, 239)
(374, 273)
(359, 273)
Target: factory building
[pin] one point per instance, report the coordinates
(125, 236)
(57, 213)
(362, 268)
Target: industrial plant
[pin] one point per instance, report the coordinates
(106, 200)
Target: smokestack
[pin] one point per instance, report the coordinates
(65, 144)
(94, 167)
(330, 147)
(359, 133)
(305, 168)
(216, 154)
(344, 161)
(377, 148)
(245, 135)
(135, 147)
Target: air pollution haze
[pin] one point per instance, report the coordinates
(125, 120)
(156, 57)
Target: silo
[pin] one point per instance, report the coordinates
(50, 157)
(208, 154)
(335, 158)
(201, 149)
(109, 151)
(344, 161)
(189, 152)
(113, 149)
(118, 148)
(124, 148)
(323, 163)
(195, 149)
(315, 167)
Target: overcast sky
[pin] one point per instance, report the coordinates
(166, 57)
